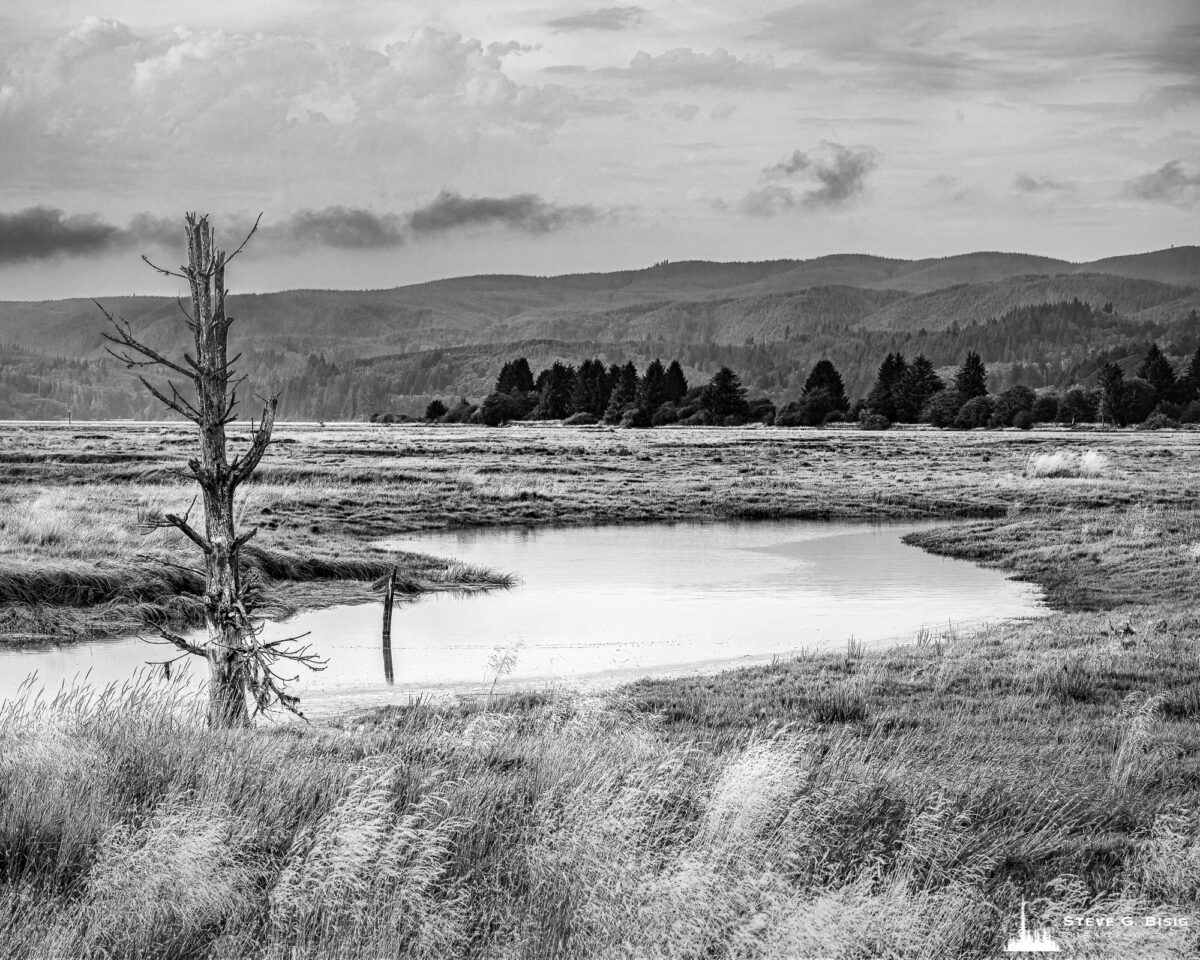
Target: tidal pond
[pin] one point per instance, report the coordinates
(597, 605)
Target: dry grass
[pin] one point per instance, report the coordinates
(718, 816)
(1090, 464)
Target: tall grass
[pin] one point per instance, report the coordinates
(560, 825)
(1090, 464)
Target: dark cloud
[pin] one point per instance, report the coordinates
(1176, 182)
(606, 18)
(38, 233)
(41, 233)
(526, 212)
(832, 182)
(794, 164)
(1027, 183)
(346, 228)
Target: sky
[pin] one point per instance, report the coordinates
(388, 142)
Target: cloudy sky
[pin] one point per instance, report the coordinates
(393, 141)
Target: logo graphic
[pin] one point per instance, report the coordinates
(1031, 941)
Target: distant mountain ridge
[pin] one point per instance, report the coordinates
(712, 302)
(844, 306)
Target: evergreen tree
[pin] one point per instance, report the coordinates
(971, 379)
(554, 394)
(624, 395)
(725, 396)
(676, 383)
(824, 376)
(1156, 369)
(515, 376)
(1190, 388)
(652, 392)
(884, 398)
(435, 410)
(1112, 394)
(590, 394)
(918, 385)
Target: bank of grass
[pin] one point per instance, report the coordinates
(854, 804)
(79, 562)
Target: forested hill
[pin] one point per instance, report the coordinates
(350, 353)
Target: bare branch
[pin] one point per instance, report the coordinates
(184, 409)
(124, 337)
(163, 270)
(241, 246)
(178, 641)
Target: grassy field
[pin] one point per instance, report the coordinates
(853, 805)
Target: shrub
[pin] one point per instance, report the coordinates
(1158, 421)
(1023, 420)
(581, 420)
(435, 410)
(976, 412)
(1191, 413)
(1045, 408)
(942, 408)
(666, 413)
(874, 421)
(500, 408)
(636, 417)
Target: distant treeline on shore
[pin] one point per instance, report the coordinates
(1156, 396)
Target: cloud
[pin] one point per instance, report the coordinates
(525, 212)
(794, 164)
(833, 182)
(1176, 181)
(681, 111)
(39, 233)
(344, 228)
(1027, 183)
(606, 18)
(43, 233)
(684, 67)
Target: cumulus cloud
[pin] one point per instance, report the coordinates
(831, 182)
(606, 18)
(684, 67)
(1028, 183)
(794, 164)
(526, 212)
(1176, 181)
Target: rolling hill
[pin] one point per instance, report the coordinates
(844, 305)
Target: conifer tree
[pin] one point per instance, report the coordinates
(676, 385)
(1112, 394)
(624, 395)
(554, 394)
(725, 396)
(1156, 369)
(971, 379)
(652, 392)
(515, 376)
(884, 398)
(918, 385)
(590, 394)
(824, 376)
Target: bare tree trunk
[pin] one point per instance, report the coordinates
(239, 666)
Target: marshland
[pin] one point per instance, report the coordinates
(843, 800)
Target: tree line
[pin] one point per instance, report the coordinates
(1156, 395)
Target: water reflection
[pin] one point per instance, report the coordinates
(609, 602)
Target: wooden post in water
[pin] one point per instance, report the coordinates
(389, 597)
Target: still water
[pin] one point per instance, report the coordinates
(604, 604)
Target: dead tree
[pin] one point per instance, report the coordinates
(240, 665)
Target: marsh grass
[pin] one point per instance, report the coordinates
(740, 822)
